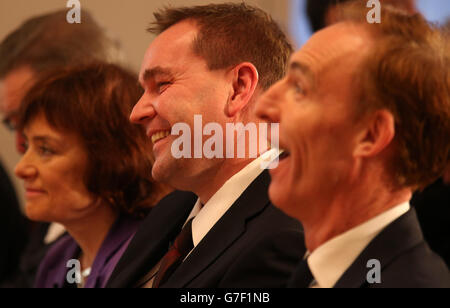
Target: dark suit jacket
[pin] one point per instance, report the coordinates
(406, 260)
(13, 228)
(433, 210)
(32, 255)
(253, 245)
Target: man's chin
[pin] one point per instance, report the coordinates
(162, 171)
(158, 175)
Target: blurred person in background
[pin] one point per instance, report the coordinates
(39, 45)
(86, 167)
(13, 231)
(433, 209)
(324, 13)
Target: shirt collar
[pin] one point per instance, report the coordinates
(330, 261)
(55, 231)
(208, 215)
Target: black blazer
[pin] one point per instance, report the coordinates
(32, 255)
(253, 245)
(13, 228)
(406, 260)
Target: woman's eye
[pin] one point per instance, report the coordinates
(24, 145)
(45, 151)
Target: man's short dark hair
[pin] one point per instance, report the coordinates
(232, 33)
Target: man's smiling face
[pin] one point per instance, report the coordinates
(178, 85)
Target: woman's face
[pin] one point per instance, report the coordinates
(52, 169)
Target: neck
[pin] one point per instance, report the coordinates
(208, 184)
(91, 230)
(217, 177)
(350, 208)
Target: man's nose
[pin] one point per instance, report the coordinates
(143, 111)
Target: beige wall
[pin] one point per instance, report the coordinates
(125, 19)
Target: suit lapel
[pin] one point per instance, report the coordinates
(224, 233)
(395, 239)
(152, 240)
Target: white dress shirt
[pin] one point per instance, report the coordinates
(55, 230)
(205, 217)
(208, 215)
(330, 261)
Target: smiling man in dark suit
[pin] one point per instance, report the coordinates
(211, 61)
(364, 117)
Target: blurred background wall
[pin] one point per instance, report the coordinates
(127, 20)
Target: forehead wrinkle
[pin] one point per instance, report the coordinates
(346, 53)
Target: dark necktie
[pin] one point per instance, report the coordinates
(174, 257)
(302, 278)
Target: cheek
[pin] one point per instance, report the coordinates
(67, 193)
(71, 188)
(39, 210)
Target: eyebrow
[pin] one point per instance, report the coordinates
(303, 69)
(45, 139)
(156, 71)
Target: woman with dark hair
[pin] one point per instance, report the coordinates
(86, 167)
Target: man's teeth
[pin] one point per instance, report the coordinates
(160, 135)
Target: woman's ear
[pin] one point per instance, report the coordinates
(245, 80)
(377, 134)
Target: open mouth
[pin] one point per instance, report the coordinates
(284, 154)
(160, 135)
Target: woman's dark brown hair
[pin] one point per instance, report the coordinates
(94, 102)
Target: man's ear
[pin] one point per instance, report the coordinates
(377, 135)
(245, 80)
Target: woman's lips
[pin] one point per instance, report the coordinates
(33, 193)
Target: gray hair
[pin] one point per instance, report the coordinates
(47, 42)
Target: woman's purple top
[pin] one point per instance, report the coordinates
(53, 270)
